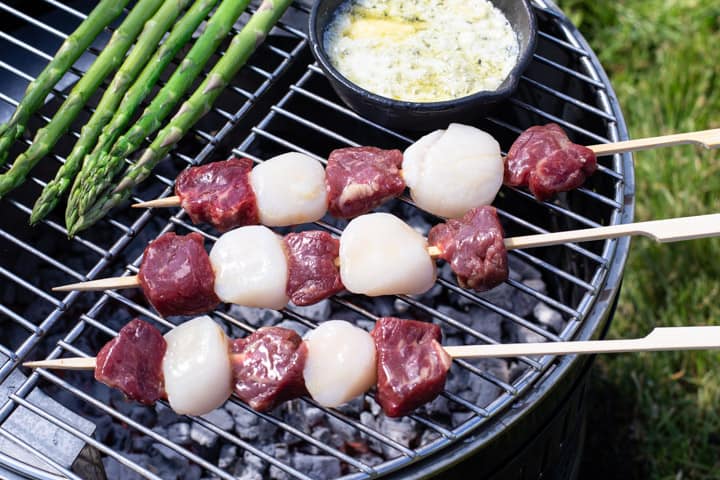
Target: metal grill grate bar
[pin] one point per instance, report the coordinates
(70, 429)
(32, 21)
(49, 260)
(66, 8)
(569, 99)
(563, 123)
(564, 44)
(30, 49)
(19, 320)
(554, 270)
(568, 71)
(28, 286)
(339, 108)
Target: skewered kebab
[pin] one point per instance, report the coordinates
(448, 172)
(253, 266)
(196, 367)
(443, 178)
(378, 255)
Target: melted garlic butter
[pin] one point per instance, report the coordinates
(424, 50)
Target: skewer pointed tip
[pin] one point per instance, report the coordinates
(69, 287)
(102, 284)
(33, 364)
(159, 203)
(74, 363)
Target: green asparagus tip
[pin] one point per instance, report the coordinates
(40, 211)
(35, 217)
(72, 230)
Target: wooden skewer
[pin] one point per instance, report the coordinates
(74, 363)
(664, 231)
(132, 281)
(705, 138)
(113, 283)
(166, 202)
(667, 338)
(660, 339)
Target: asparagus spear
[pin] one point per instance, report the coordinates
(241, 47)
(99, 174)
(106, 62)
(108, 109)
(180, 35)
(71, 49)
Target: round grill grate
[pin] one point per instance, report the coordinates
(282, 102)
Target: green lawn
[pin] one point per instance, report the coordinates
(658, 415)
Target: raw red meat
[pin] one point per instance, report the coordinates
(312, 274)
(412, 365)
(132, 362)
(176, 275)
(475, 248)
(359, 179)
(268, 367)
(544, 159)
(219, 193)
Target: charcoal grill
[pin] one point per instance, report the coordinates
(532, 425)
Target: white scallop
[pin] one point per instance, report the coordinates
(290, 189)
(196, 367)
(340, 363)
(451, 171)
(250, 267)
(382, 255)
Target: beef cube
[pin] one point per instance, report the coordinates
(412, 365)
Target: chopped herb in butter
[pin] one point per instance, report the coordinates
(424, 50)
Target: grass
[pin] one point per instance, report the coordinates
(657, 415)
